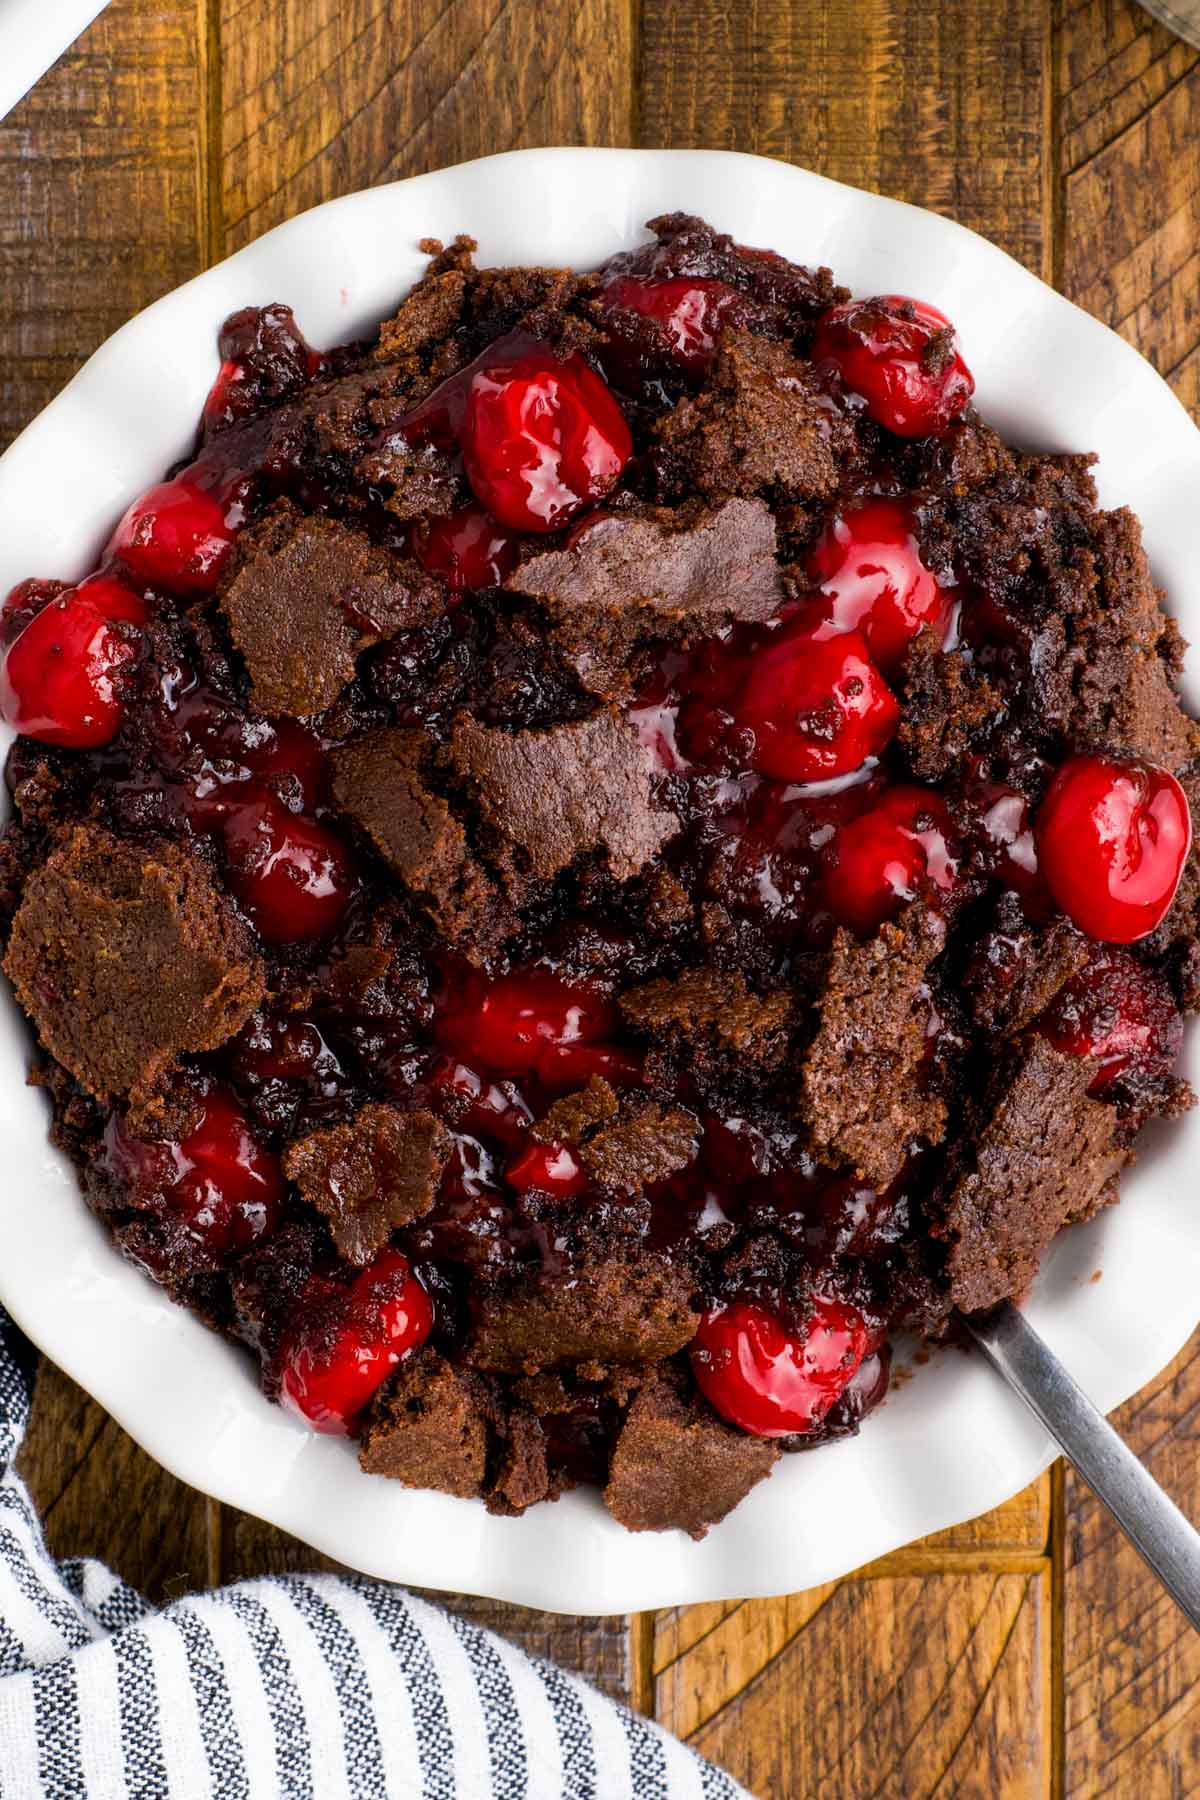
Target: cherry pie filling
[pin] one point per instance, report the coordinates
(777, 743)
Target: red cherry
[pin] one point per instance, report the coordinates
(228, 395)
(573, 1065)
(234, 749)
(176, 536)
(894, 352)
(291, 749)
(508, 1025)
(487, 1109)
(218, 1180)
(58, 681)
(1120, 1012)
(818, 707)
(770, 1381)
(467, 548)
(293, 876)
(868, 565)
(688, 308)
(23, 603)
(329, 1375)
(541, 438)
(1112, 839)
(552, 1168)
(877, 861)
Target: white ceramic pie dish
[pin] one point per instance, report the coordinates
(951, 1442)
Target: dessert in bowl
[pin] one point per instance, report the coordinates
(588, 858)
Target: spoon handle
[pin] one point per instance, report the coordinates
(1143, 1510)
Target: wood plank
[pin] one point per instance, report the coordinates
(1131, 182)
(1131, 1662)
(325, 96)
(101, 205)
(1021, 1524)
(944, 106)
(99, 1495)
(901, 1688)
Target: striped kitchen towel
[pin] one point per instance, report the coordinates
(290, 1686)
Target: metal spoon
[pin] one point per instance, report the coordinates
(1144, 1511)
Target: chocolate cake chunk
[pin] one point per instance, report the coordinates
(644, 1144)
(522, 1472)
(948, 707)
(1039, 1155)
(860, 1093)
(650, 574)
(126, 958)
(714, 1015)
(1017, 969)
(1075, 588)
(625, 1143)
(554, 796)
(967, 453)
(415, 481)
(762, 424)
(428, 1428)
(379, 781)
(425, 317)
(611, 1309)
(689, 246)
(1121, 661)
(306, 595)
(377, 1172)
(676, 1466)
(570, 1119)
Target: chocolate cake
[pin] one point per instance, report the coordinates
(586, 861)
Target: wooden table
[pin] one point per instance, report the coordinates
(1024, 1654)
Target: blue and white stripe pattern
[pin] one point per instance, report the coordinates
(302, 1687)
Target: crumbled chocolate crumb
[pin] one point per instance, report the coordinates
(676, 1466)
(762, 424)
(947, 705)
(427, 1428)
(555, 796)
(126, 959)
(860, 1094)
(626, 1143)
(714, 1014)
(371, 1175)
(570, 1119)
(306, 596)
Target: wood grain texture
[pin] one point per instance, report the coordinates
(1021, 1524)
(945, 106)
(323, 96)
(893, 1688)
(99, 1495)
(1130, 239)
(101, 195)
(1131, 1663)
